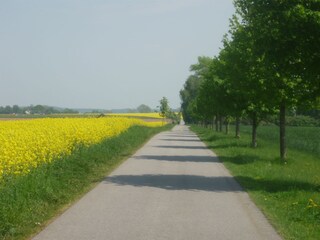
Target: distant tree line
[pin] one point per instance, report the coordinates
(37, 109)
(43, 109)
(269, 65)
(142, 108)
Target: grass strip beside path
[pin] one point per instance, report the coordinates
(28, 202)
(289, 195)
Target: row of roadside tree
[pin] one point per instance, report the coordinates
(269, 64)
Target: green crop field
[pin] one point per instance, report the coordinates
(306, 139)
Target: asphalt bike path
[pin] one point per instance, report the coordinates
(173, 188)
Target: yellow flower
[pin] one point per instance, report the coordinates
(27, 144)
(312, 204)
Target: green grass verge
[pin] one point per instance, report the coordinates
(289, 194)
(28, 202)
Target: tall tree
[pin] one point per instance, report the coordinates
(213, 94)
(286, 40)
(244, 79)
(188, 97)
(164, 107)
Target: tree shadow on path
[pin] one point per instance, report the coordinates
(210, 184)
(180, 140)
(180, 135)
(180, 147)
(188, 158)
(178, 182)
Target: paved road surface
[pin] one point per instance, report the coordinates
(173, 188)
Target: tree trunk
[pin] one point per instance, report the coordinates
(212, 124)
(216, 122)
(227, 126)
(254, 130)
(237, 127)
(220, 123)
(283, 149)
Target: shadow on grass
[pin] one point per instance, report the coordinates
(240, 160)
(275, 185)
(188, 158)
(211, 138)
(231, 145)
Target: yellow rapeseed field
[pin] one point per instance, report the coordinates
(26, 144)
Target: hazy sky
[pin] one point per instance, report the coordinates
(104, 53)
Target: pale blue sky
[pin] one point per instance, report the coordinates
(104, 53)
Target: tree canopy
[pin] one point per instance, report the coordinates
(269, 63)
(144, 109)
